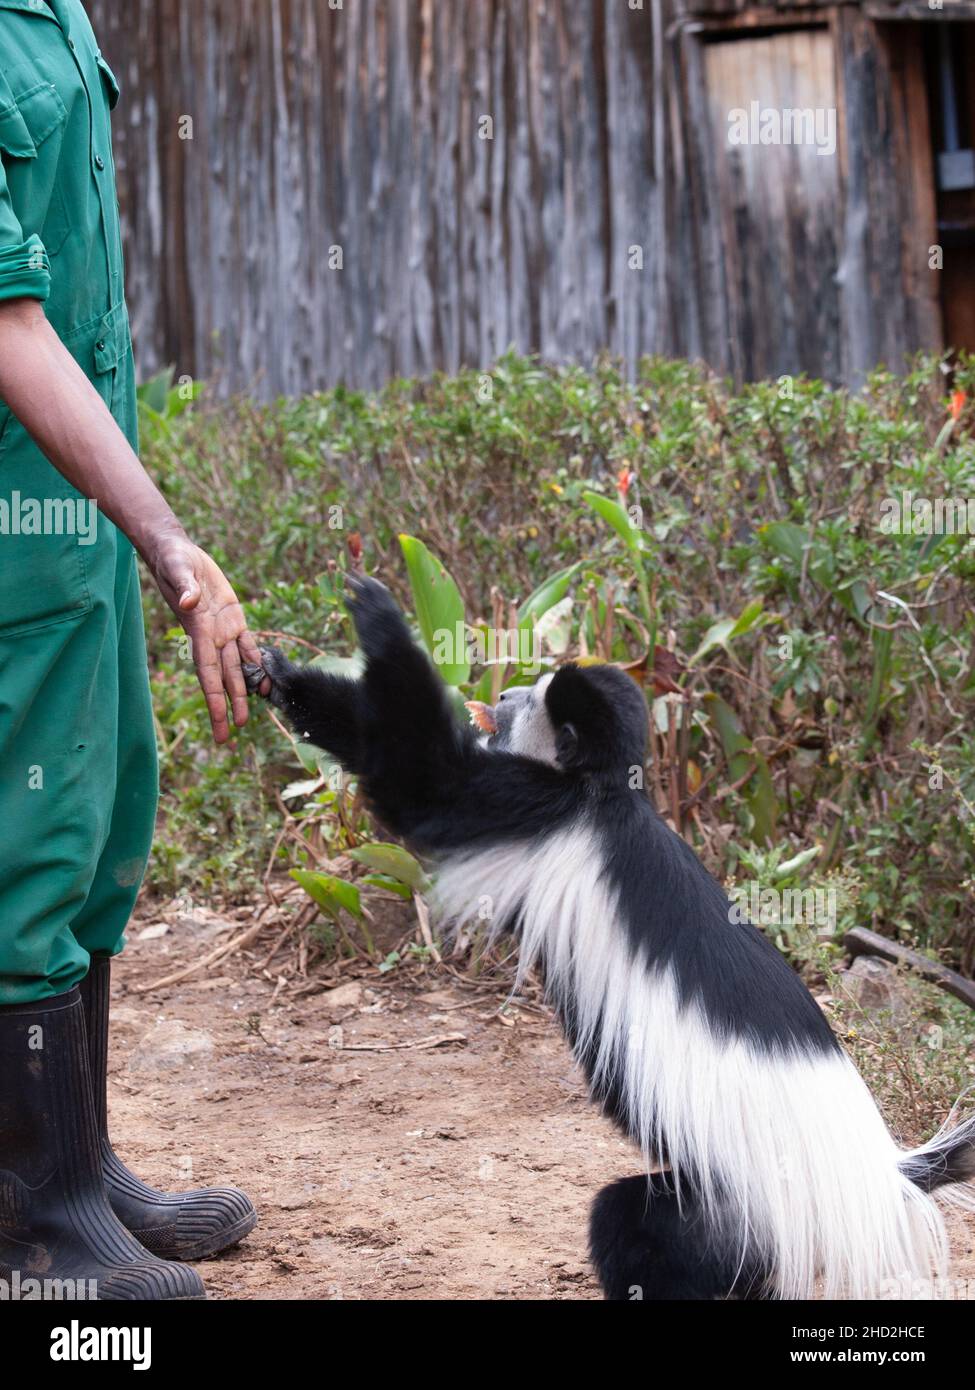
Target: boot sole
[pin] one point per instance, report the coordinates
(212, 1245)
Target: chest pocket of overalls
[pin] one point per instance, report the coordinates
(32, 121)
(112, 90)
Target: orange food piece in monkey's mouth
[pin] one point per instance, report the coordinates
(482, 716)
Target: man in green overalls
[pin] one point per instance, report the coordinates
(78, 781)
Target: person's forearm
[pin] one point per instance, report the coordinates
(68, 420)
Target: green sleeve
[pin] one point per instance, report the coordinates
(25, 272)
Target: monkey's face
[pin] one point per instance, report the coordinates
(579, 719)
(588, 719)
(523, 724)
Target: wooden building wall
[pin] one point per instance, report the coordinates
(358, 127)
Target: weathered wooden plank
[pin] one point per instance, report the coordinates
(778, 202)
(359, 128)
(889, 305)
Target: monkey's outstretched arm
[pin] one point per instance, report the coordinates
(392, 726)
(396, 704)
(321, 708)
(423, 772)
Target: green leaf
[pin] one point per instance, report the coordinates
(308, 754)
(786, 539)
(724, 631)
(617, 517)
(329, 589)
(758, 791)
(439, 608)
(154, 393)
(854, 595)
(547, 595)
(554, 628)
(180, 399)
(395, 861)
(329, 893)
(791, 542)
(883, 643)
(391, 885)
(797, 862)
(747, 619)
(716, 636)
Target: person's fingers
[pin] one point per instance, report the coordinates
(210, 675)
(233, 681)
(250, 651)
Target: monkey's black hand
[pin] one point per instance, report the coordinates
(379, 624)
(274, 666)
(253, 675)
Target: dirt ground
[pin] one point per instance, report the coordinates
(458, 1164)
(400, 1137)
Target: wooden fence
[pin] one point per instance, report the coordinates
(314, 194)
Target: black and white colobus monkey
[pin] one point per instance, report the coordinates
(767, 1163)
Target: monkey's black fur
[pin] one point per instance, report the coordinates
(430, 780)
(648, 1245)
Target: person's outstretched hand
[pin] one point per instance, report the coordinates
(200, 595)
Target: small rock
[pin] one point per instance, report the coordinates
(876, 986)
(347, 996)
(153, 933)
(129, 1022)
(170, 1043)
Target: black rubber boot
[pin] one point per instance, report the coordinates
(55, 1219)
(178, 1225)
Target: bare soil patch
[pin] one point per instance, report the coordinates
(400, 1136)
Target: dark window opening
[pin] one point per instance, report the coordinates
(949, 60)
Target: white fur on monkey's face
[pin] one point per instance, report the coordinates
(523, 723)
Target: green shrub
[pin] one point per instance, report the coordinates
(828, 665)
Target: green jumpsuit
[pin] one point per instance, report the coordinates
(78, 776)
